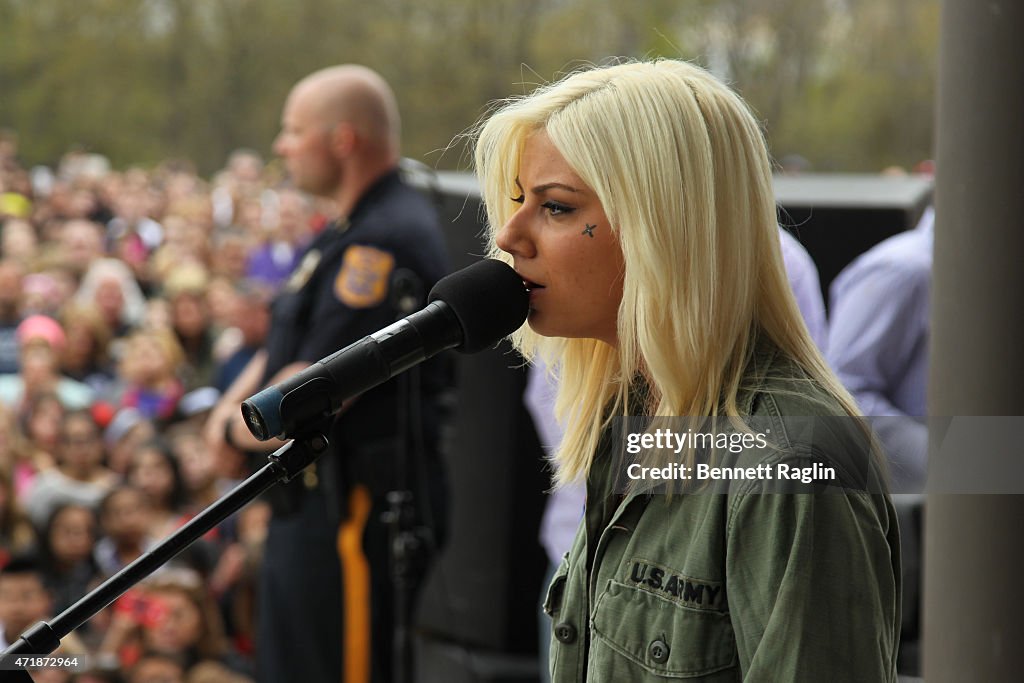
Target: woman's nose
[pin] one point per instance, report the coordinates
(514, 237)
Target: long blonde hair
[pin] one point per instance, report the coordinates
(680, 166)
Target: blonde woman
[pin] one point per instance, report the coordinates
(636, 203)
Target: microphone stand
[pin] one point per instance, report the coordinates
(44, 637)
(409, 543)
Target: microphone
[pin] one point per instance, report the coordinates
(468, 311)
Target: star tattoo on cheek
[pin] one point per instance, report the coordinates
(589, 230)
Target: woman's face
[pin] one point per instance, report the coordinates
(563, 248)
(126, 517)
(72, 535)
(197, 466)
(188, 315)
(82, 447)
(144, 361)
(38, 365)
(153, 475)
(179, 627)
(109, 298)
(45, 421)
(81, 344)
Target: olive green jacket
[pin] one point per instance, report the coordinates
(737, 586)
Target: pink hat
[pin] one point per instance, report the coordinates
(41, 327)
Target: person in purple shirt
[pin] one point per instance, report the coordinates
(803, 279)
(273, 261)
(878, 344)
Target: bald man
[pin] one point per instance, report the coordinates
(339, 139)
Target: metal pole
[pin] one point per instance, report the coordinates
(973, 593)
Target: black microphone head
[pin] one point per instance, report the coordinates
(489, 299)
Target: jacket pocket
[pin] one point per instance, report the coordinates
(639, 635)
(556, 589)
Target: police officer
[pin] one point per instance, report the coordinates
(339, 140)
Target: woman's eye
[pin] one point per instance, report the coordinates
(557, 209)
(520, 199)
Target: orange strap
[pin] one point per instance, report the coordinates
(355, 571)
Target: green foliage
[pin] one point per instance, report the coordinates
(848, 84)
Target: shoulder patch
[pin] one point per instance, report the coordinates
(362, 281)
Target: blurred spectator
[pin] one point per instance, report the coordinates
(42, 416)
(235, 545)
(16, 533)
(24, 599)
(186, 192)
(192, 627)
(125, 434)
(57, 207)
(214, 672)
(199, 474)
(245, 166)
(221, 301)
(158, 314)
(86, 354)
(171, 615)
(194, 408)
(283, 243)
(185, 290)
(157, 668)
(249, 218)
(11, 275)
(110, 285)
(41, 340)
(133, 234)
(231, 248)
(803, 279)
(154, 471)
(148, 372)
(251, 318)
(18, 242)
(240, 177)
(878, 344)
(16, 454)
(14, 205)
(43, 292)
(78, 165)
(81, 243)
(100, 675)
(80, 475)
(124, 521)
(66, 546)
(186, 243)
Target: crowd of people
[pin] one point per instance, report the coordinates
(129, 301)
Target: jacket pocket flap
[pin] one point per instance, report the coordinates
(661, 636)
(553, 598)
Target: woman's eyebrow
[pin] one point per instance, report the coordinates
(547, 186)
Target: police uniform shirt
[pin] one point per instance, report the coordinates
(338, 294)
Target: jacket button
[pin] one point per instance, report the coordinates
(658, 651)
(565, 633)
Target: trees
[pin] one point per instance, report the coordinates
(846, 83)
